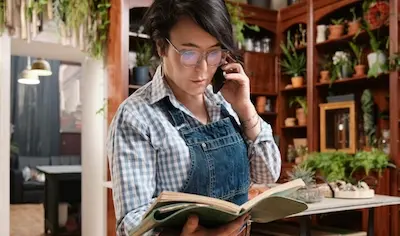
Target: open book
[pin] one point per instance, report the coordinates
(171, 209)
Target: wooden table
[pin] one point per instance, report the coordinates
(55, 176)
(330, 205)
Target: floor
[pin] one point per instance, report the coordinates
(27, 220)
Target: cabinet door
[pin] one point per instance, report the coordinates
(260, 68)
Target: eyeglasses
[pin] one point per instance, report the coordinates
(192, 58)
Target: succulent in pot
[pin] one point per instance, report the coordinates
(336, 29)
(355, 23)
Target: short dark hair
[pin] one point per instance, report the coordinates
(211, 15)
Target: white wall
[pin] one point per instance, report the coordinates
(5, 65)
(94, 126)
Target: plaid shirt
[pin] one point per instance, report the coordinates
(147, 155)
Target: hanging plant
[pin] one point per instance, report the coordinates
(98, 28)
(2, 16)
(238, 24)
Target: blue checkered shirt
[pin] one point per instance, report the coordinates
(147, 155)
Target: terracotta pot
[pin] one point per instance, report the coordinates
(354, 27)
(360, 70)
(297, 81)
(335, 31)
(289, 122)
(324, 76)
(260, 104)
(301, 116)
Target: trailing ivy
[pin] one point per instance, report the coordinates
(2, 15)
(98, 30)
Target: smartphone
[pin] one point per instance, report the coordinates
(218, 80)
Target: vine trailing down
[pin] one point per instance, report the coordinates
(81, 23)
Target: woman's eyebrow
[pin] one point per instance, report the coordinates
(197, 46)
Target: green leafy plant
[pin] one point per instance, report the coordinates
(99, 27)
(353, 12)
(337, 21)
(357, 50)
(367, 106)
(293, 64)
(369, 160)
(238, 22)
(300, 101)
(144, 54)
(2, 16)
(38, 6)
(331, 165)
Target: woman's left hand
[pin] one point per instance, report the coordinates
(236, 89)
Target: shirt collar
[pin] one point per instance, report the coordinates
(159, 87)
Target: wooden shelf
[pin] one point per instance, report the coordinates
(294, 89)
(268, 113)
(348, 37)
(287, 164)
(354, 80)
(294, 127)
(268, 94)
(133, 86)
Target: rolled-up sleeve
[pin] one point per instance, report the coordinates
(264, 155)
(132, 166)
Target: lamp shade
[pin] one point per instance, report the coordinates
(28, 77)
(41, 67)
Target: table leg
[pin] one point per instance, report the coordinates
(52, 204)
(371, 221)
(305, 226)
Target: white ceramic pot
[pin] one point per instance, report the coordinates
(377, 57)
(321, 33)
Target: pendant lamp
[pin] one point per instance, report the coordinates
(41, 67)
(28, 76)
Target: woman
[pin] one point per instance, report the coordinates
(175, 134)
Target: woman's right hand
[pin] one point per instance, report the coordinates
(192, 227)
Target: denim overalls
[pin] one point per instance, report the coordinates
(219, 160)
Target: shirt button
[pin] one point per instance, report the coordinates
(204, 145)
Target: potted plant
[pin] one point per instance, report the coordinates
(301, 111)
(336, 29)
(294, 63)
(326, 66)
(143, 63)
(359, 68)
(377, 58)
(310, 193)
(355, 23)
(341, 65)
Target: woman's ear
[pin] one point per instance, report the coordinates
(161, 50)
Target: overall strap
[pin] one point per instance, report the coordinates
(178, 118)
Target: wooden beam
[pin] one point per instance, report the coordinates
(394, 114)
(118, 78)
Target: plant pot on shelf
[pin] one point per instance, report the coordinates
(354, 27)
(301, 116)
(142, 75)
(290, 122)
(335, 31)
(297, 81)
(359, 70)
(324, 76)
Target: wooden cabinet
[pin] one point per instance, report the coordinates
(260, 68)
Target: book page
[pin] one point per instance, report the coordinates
(282, 189)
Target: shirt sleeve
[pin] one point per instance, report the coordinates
(264, 154)
(132, 166)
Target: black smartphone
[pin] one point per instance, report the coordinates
(218, 80)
